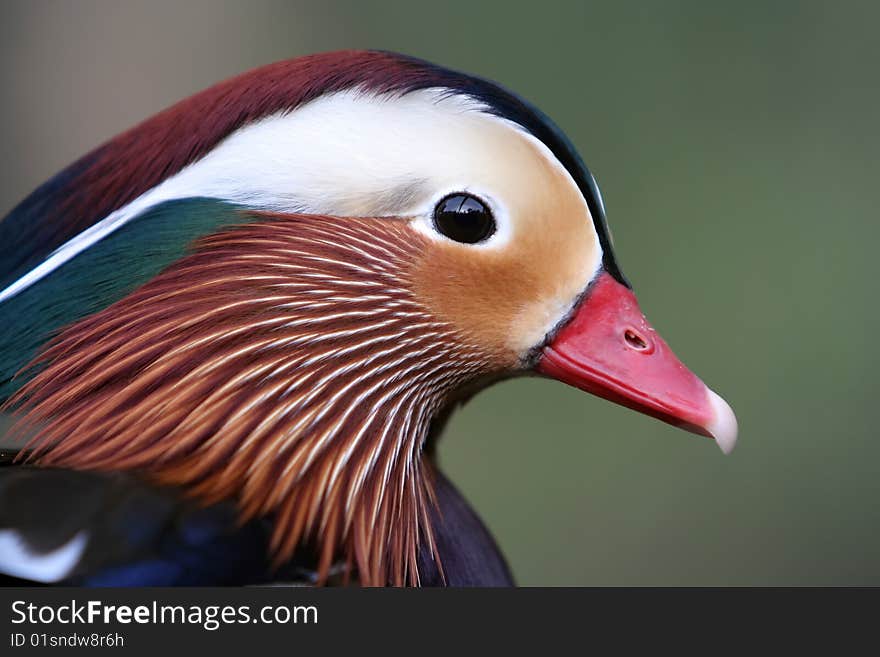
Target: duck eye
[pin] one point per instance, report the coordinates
(464, 218)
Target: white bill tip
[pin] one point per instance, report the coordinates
(723, 427)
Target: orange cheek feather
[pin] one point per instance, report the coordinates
(507, 299)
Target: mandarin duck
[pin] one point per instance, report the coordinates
(232, 334)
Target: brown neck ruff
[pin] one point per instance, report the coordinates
(286, 363)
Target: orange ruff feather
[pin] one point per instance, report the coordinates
(286, 363)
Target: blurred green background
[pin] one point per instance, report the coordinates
(737, 148)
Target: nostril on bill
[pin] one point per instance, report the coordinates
(634, 340)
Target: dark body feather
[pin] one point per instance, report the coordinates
(146, 535)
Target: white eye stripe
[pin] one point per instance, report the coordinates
(344, 154)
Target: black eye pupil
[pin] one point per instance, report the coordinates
(464, 218)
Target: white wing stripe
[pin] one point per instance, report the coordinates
(17, 561)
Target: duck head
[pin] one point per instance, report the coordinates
(269, 292)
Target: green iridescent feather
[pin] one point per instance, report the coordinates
(102, 274)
